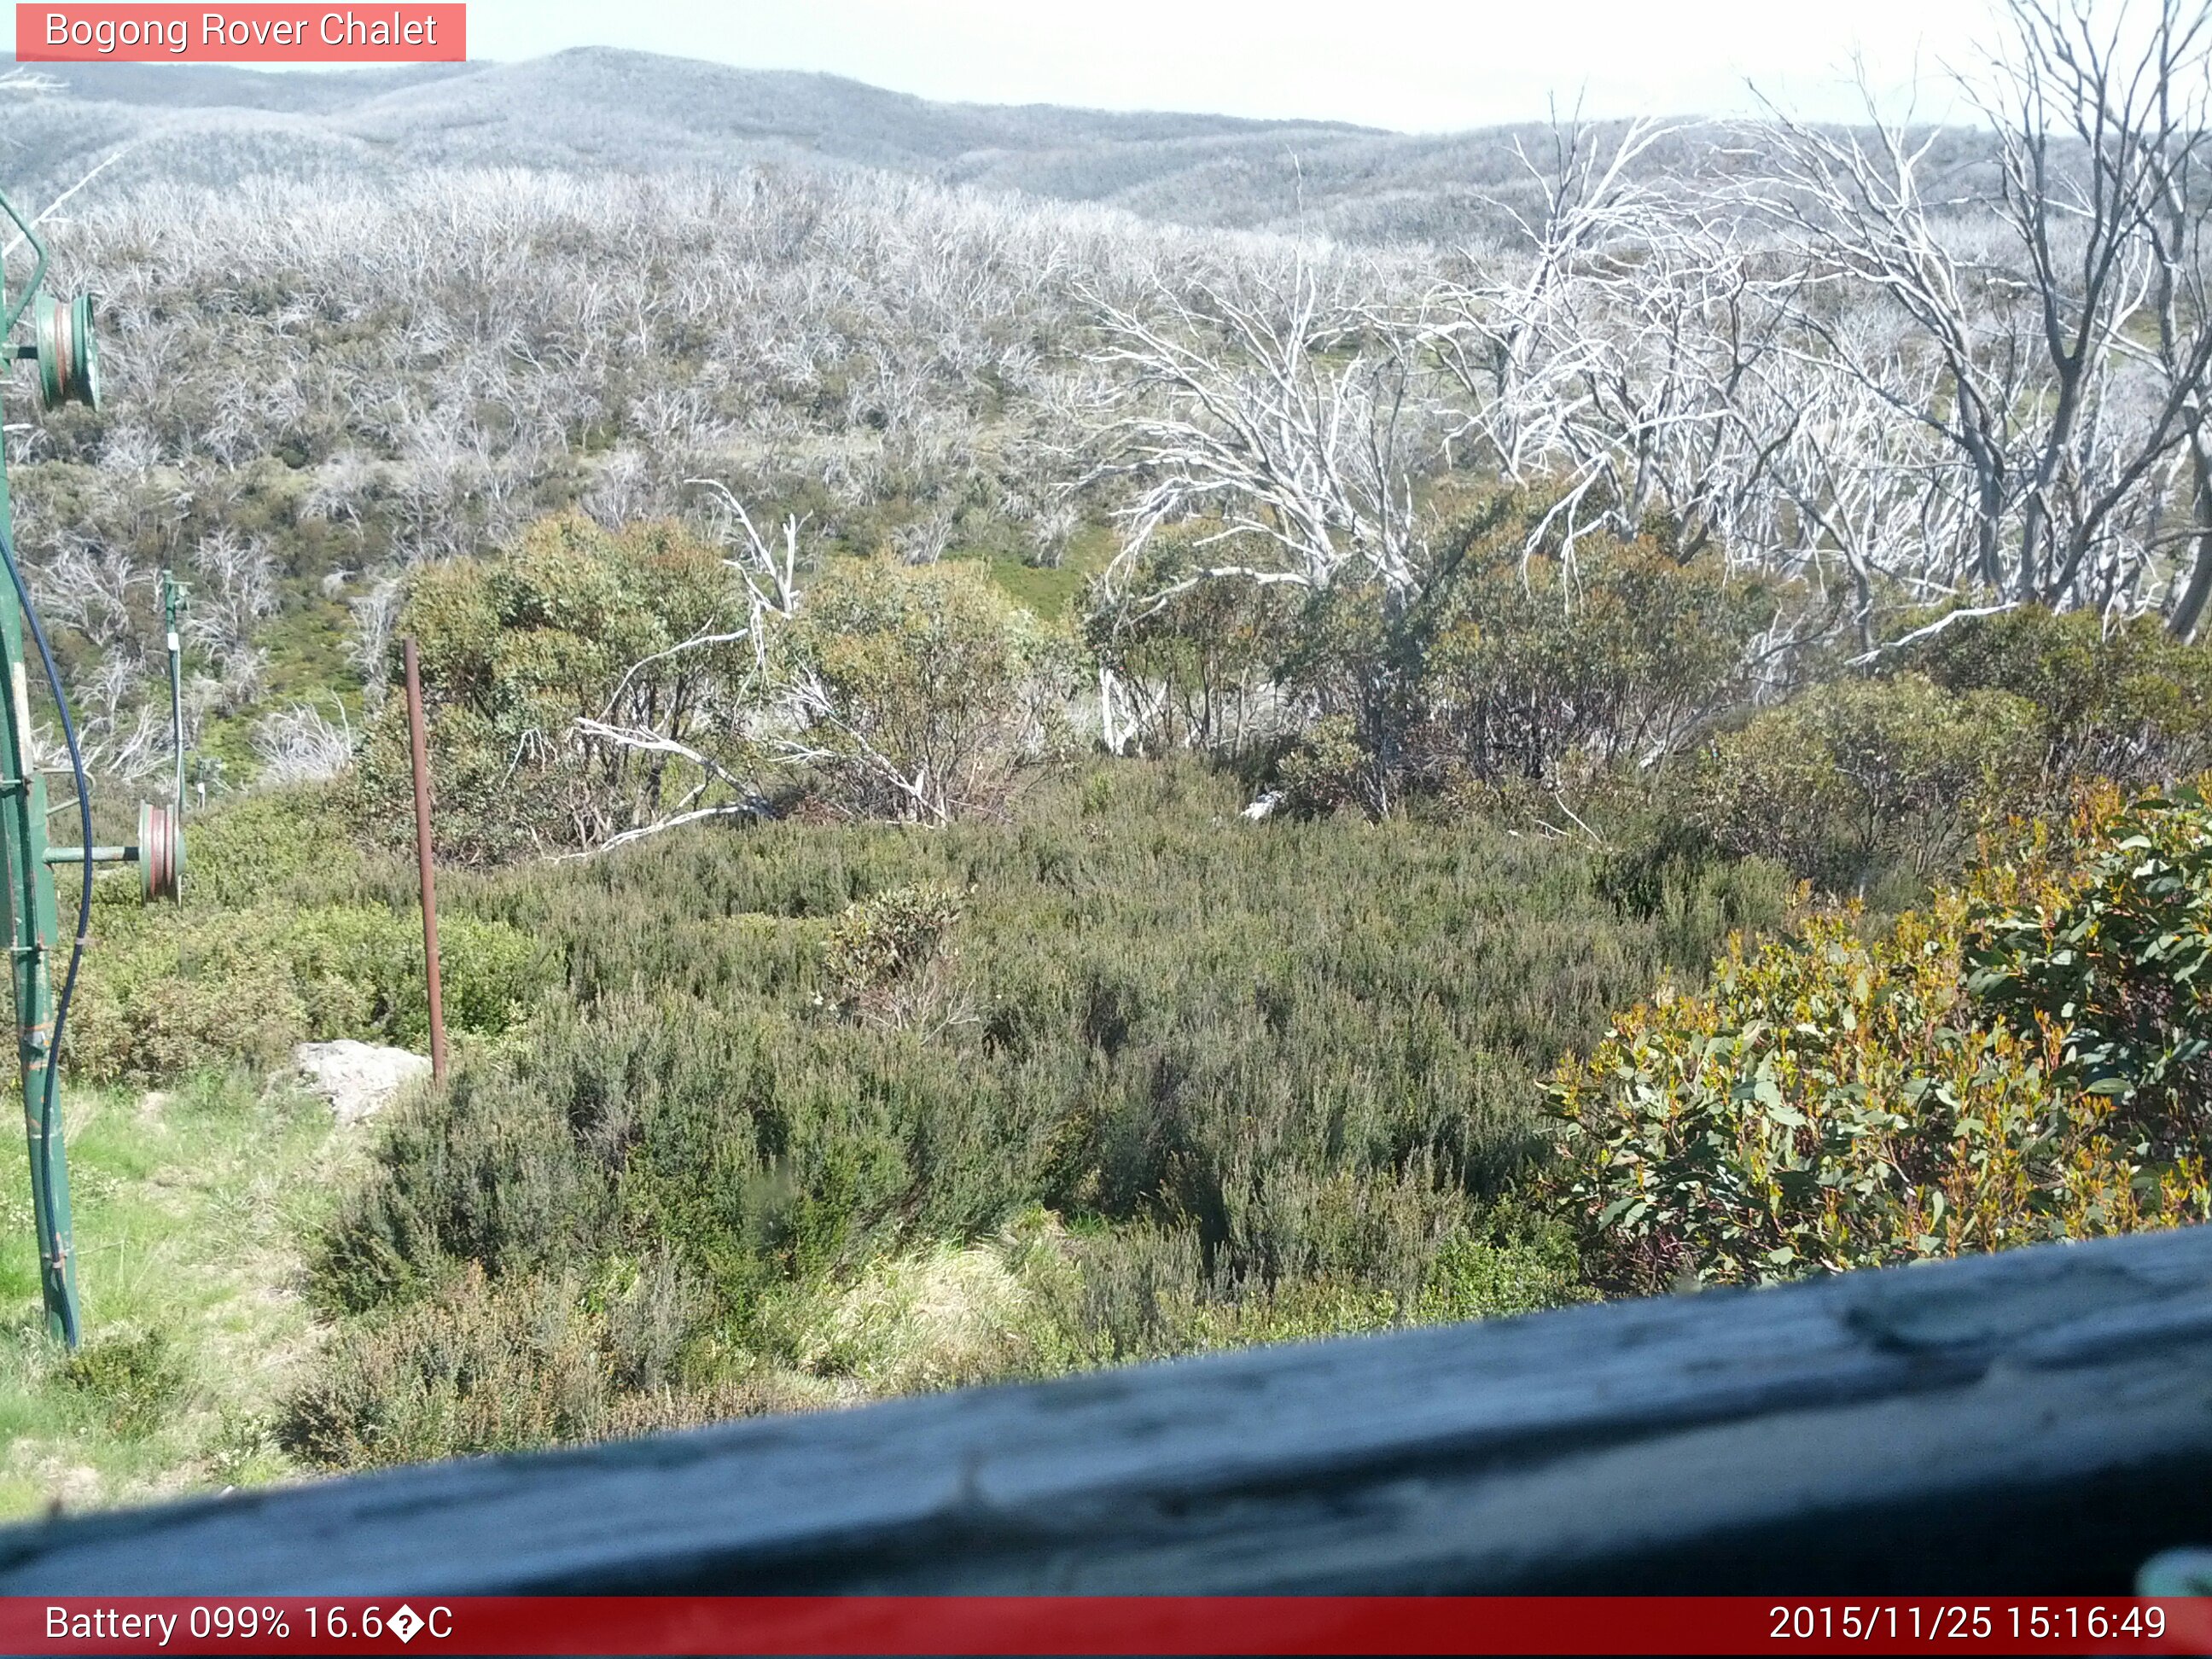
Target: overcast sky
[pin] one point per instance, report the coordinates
(1422, 66)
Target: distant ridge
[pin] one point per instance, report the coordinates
(596, 109)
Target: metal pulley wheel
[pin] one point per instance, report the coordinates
(161, 852)
(68, 352)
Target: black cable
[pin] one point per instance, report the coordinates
(52, 1243)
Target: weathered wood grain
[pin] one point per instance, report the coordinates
(2039, 1421)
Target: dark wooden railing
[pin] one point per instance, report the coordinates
(2036, 1422)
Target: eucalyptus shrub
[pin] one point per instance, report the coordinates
(2019, 1061)
(1522, 661)
(922, 692)
(887, 956)
(876, 941)
(1269, 1080)
(589, 683)
(2119, 700)
(1854, 776)
(2103, 929)
(1321, 772)
(1210, 652)
(572, 621)
(1503, 665)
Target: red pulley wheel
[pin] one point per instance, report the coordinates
(161, 852)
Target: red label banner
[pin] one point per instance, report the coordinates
(1102, 1625)
(310, 33)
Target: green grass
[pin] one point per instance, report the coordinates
(190, 1205)
(1048, 592)
(306, 644)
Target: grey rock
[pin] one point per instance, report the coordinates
(359, 1079)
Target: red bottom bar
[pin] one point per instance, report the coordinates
(1080, 1625)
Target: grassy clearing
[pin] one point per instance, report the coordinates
(190, 1205)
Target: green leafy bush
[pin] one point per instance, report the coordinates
(924, 689)
(1323, 770)
(516, 649)
(249, 985)
(1212, 649)
(293, 841)
(1521, 662)
(886, 956)
(2119, 700)
(136, 1376)
(1487, 1278)
(1837, 1101)
(587, 683)
(1855, 775)
(287, 933)
(2103, 931)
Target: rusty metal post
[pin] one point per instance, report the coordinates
(419, 750)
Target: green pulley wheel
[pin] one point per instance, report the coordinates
(161, 852)
(69, 353)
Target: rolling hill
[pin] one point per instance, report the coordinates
(601, 109)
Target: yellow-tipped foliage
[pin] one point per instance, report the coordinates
(1837, 1101)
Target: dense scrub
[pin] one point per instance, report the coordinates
(1539, 681)
(438, 365)
(1095, 1070)
(1181, 1080)
(1885, 778)
(1854, 778)
(792, 1108)
(1503, 668)
(2112, 699)
(801, 1104)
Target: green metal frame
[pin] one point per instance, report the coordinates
(67, 352)
(38, 272)
(33, 931)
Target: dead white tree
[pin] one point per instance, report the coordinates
(1284, 413)
(770, 572)
(300, 744)
(927, 539)
(1861, 493)
(681, 707)
(2178, 187)
(375, 617)
(1513, 333)
(2023, 286)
